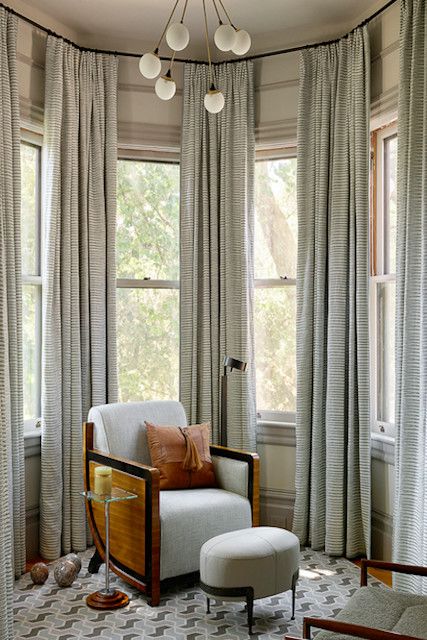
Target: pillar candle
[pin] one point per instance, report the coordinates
(103, 481)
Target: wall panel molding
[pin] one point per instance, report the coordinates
(383, 450)
(277, 508)
(382, 535)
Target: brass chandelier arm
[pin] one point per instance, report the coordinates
(226, 13)
(208, 45)
(184, 11)
(166, 27)
(217, 12)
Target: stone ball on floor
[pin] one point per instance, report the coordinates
(65, 573)
(74, 558)
(39, 573)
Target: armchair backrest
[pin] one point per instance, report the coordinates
(120, 428)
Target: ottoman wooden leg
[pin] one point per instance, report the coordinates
(208, 605)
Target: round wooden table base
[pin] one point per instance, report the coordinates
(114, 600)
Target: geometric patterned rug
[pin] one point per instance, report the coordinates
(50, 613)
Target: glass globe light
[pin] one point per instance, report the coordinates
(225, 37)
(177, 36)
(165, 87)
(150, 65)
(214, 101)
(242, 44)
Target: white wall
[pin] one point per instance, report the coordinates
(148, 123)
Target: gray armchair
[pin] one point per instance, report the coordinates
(159, 535)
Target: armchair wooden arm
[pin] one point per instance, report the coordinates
(396, 567)
(349, 629)
(359, 631)
(135, 524)
(252, 460)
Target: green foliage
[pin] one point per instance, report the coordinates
(148, 246)
(30, 293)
(148, 220)
(275, 308)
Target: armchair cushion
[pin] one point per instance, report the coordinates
(169, 449)
(386, 609)
(120, 427)
(190, 517)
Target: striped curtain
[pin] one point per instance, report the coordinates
(410, 523)
(332, 510)
(79, 353)
(12, 491)
(217, 223)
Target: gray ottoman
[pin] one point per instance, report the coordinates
(249, 564)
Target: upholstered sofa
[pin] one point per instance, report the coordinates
(159, 535)
(375, 612)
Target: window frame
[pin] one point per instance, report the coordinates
(378, 274)
(35, 141)
(266, 416)
(147, 282)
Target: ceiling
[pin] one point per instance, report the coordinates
(137, 24)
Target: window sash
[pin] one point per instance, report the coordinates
(31, 139)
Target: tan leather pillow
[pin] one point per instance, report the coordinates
(182, 455)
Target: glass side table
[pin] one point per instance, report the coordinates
(108, 598)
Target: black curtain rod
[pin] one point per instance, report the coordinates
(256, 56)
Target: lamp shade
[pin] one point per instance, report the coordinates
(214, 101)
(242, 44)
(150, 65)
(165, 88)
(177, 36)
(225, 37)
(233, 363)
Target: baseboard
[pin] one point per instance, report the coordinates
(32, 519)
(382, 535)
(277, 508)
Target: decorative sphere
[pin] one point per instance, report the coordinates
(177, 36)
(65, 573)
(150, 65)
(225, 37)
(242, 44)
(165, 88)
(74, 558)
(214, 101)
(39, 573)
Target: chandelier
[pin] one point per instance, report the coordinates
(227, 37)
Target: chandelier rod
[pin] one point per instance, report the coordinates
(226, 13)
(167, 24)
(257, 56)
(217, 12)
(207, 44)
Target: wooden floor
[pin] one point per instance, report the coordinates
(384, 576)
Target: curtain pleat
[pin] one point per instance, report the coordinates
(217, 224)
(12, 472)
(79, 352)
(332, 510)
(410, 522)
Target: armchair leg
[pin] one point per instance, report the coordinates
(154, 600)
(95, 562)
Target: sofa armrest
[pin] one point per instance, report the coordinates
(232, 476)
(388, 566)
(350, 629)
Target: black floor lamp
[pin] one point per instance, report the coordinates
(229, 364)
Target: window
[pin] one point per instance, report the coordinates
(383, 277)
(31, 281)
(276, 228)
(148, 280)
